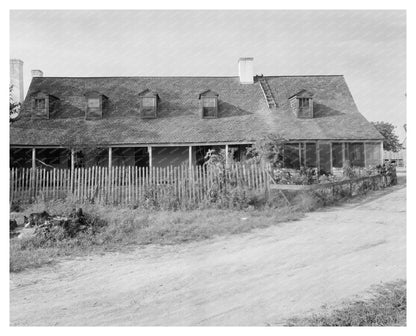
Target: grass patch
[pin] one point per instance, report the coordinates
(386, 307)
(135, 227)
(130, 227)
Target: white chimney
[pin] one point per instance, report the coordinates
(245, 70)
(37, 73)
(16, 79)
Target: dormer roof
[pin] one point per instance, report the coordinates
(302, 94)
(149, 93)
(208, 93)
(42, 92)
(94, 93)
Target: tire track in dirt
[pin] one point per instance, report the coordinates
(249, 279)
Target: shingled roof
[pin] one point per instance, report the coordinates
(244, 115)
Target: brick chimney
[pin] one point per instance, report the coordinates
(37, 73)
(16, 79)
(245, 70)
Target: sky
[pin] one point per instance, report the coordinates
(367, 47)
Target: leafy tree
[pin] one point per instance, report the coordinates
(391, 140)
(14, 106)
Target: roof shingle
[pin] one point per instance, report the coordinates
(243, 112)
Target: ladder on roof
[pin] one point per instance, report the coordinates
(267, 92)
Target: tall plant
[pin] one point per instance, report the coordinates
(269, 150)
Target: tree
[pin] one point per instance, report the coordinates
(14, 106)
(391, 140)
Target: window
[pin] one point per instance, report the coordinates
(209, 106)
(149, 102)
(148, 113)
(148, 107)
(304, 102)
(210, 102)
(93, 102)
(40, 103)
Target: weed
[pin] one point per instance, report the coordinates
(138, 227)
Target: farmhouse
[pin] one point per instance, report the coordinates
(68, 122)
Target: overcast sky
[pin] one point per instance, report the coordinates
(367, 47)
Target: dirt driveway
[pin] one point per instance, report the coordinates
(251, 279)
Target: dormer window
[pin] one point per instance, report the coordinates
(43, 105)
(93, 102)
(40, 103)
(148, 104)
(95, 105)
(209, 104)
(302, 104)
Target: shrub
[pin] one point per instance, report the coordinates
(268, 150)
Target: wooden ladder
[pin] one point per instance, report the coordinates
(267, 92)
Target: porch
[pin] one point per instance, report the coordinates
(326, 156)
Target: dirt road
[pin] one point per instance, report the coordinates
(251, 279)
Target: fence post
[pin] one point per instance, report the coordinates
(72, 169)
(11, 185)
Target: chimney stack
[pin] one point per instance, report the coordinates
(37, 73)
(16, 79)
(245, 70)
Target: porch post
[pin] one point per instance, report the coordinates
(110, 158)
(300, 156)
(381, 152)
(190, 157)
(317, 157)
(304, 153)
(72, 160)
(33, 158)
(365, 154)
(343, 154)
(330, 156)
(149, 150)
(226, 155)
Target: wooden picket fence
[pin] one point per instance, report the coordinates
(130, 185)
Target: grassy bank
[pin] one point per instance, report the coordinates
(128, 227)
(135, 227)
(386, 306)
